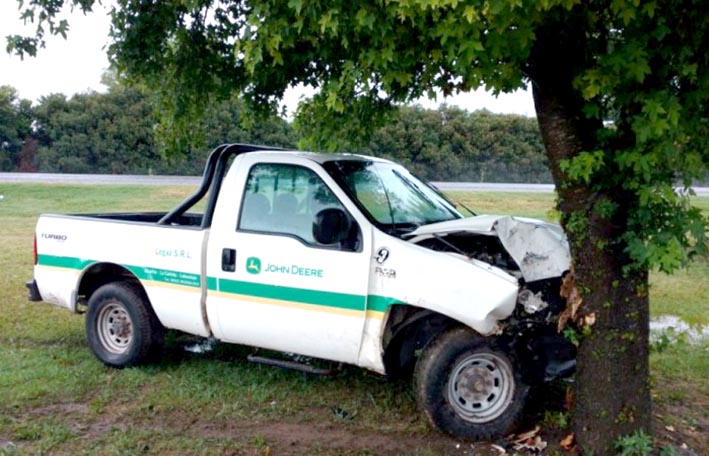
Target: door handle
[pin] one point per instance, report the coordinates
(228, 260)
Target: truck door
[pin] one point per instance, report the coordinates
(272, 284)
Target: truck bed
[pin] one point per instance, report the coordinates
(190, 219)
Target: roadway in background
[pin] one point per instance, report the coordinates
(116, 179)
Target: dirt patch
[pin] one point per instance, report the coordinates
(62, 409)
(85, 422)
(684, 426)
(288, 438)
(313, 433)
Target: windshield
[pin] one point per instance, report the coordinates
(390, 196)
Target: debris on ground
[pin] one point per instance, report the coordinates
(205, 345)
(529, 441)
(342, 413)
(670, 329)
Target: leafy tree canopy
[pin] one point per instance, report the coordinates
(114, 133)
(15, 125)
(450, 144)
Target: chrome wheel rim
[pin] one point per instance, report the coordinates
(481, 387)
(115, 328)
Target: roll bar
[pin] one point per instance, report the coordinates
(214, 171)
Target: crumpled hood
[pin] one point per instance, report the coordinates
(539, 248)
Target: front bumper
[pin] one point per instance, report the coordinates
(33, 291)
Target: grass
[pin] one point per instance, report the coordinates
(683, 293)
(535, 205)
(56, 398)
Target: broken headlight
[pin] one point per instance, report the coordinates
(531, 302)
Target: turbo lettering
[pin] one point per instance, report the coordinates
(55, 237)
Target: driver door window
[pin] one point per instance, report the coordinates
(284, 199)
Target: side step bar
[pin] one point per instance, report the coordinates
(292, 365)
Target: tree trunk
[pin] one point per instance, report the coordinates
(28, 154)
(612, 396)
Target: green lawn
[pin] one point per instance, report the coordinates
(55, 398)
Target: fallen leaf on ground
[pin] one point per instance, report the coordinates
(567, 442)
(535, 444)
(569, 398)
(524, 436)
(529, 440)
(589, 319)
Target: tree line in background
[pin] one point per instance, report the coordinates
(114, 133)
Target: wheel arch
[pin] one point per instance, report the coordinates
(408, 329)
(100, 274)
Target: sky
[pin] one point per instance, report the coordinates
(75, 65)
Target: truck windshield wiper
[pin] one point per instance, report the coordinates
(458, 203)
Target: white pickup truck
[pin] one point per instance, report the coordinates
(342, 257)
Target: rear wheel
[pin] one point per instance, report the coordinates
(121, 328)
(468, 386)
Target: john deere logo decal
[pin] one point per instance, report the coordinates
(253, 265)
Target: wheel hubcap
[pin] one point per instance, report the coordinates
(115, 328)
(481, 387)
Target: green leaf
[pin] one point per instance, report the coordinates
(582, 167)
(471, 14)
(296, 5)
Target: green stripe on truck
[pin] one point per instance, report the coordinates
(301, 295)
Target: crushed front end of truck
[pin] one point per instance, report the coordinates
(537, 254)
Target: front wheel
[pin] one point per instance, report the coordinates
(121, 328)
(469, 387)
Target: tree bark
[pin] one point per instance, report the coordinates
(612, 395)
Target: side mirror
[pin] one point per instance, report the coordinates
(331, 225)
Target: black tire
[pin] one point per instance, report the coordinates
(468, 386)
(121, 328)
